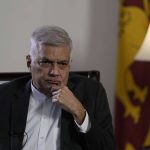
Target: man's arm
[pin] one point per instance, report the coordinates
(100, 135)
(66, 99)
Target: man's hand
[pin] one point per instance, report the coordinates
(66, 99)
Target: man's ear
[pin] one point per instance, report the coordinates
(28, 59)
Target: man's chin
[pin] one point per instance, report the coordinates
(54, 88)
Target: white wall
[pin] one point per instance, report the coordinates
(92, 24)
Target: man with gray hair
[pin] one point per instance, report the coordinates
(53, 109)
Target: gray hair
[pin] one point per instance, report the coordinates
(49, 35)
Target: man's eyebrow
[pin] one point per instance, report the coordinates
(61, 60)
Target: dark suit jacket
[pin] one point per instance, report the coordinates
(14, 100)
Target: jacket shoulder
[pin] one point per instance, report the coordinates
(11, 86)
(80, 80)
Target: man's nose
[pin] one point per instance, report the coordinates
(54, 70)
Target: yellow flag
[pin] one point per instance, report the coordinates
(132, 87)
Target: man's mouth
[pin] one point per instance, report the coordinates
(54, 82)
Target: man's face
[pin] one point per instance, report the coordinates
(49, 68)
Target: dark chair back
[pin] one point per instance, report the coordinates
(7, 76)
(146, 148)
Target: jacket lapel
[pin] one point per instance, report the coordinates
(68, 127)
(65, 125)
(19, 111)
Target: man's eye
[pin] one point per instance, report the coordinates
(63, 63)
(44, 62)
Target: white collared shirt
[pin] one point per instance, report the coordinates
(43, 123)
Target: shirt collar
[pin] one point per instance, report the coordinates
(37, 94)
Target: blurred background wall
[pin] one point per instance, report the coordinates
(92, 24)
